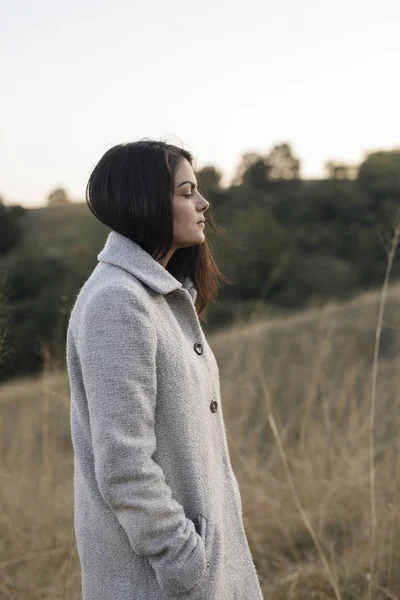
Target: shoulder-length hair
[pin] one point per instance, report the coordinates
(130, 190)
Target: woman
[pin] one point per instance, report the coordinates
(158, 511)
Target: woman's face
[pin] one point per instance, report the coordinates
(188, 207)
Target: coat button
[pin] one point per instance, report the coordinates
(214, 406)
(208, 564)
(198, 348)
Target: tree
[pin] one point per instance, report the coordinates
(58, 197)
(339, 170)
(282, 164)
(10, 226)
(379, 178)
(379, 174)
(209, 179)
(258, 171)
(247, 169)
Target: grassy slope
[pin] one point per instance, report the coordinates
(296, 398)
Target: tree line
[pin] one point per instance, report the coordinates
(287, 241)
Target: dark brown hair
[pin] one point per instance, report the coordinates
(130, 190)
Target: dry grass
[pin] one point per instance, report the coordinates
(37, 553)
(311, 404)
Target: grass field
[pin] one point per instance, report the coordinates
(307, 403)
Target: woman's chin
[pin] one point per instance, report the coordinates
(202, 238)
(193, 241)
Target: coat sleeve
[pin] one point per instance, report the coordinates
(117, 351)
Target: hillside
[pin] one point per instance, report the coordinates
(296, 399)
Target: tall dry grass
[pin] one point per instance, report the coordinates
(311, 404)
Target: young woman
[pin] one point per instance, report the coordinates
(157, 508)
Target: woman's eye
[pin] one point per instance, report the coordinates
(188, 195)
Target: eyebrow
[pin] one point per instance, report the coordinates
(183, 183)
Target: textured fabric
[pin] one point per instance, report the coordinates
(157, 508)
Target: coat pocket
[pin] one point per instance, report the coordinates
(200, 523)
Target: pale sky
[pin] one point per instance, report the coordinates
(218, 77)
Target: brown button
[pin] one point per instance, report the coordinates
(198, 348)
(214, 406)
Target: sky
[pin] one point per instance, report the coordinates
(219, 78)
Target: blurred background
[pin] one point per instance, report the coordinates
(291, 112)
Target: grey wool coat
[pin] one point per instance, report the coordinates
(157, 507)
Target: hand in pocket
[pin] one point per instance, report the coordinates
(197, 523)
(200, 524)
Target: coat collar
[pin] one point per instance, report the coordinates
(123, 252)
